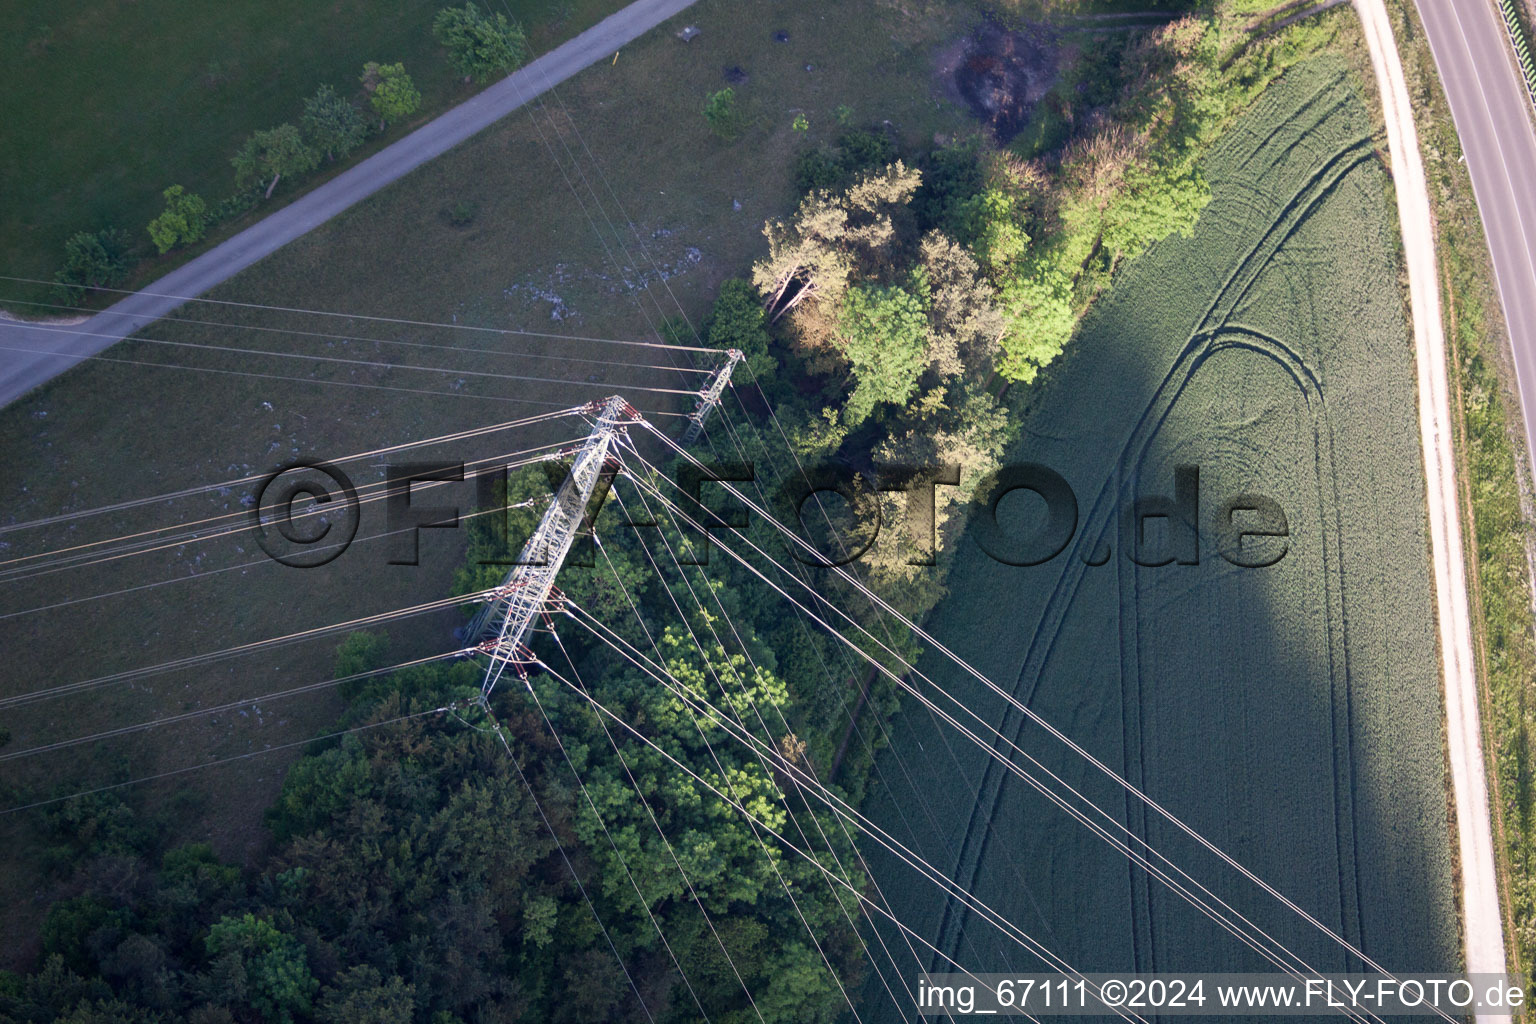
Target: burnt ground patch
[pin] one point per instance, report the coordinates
(1001, 74)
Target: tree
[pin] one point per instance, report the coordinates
(830, 236)
(277, 974)
(737, 321)
(391, 93)
(362, 996)
(182, 223)
(270, 154)
(96, 259)
(1039, 307)
(480, 45)
(331, 124)
(885, 336)
(721, 115)
(965, 323)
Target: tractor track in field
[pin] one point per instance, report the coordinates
(1203, 342)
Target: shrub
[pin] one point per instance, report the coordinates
(721, 115)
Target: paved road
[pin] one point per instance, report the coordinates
(1482, 923)
(31, 354)
(1492, 111)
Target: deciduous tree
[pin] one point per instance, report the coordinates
(885, 336)
(331, 124)
(269, 155)
(93, 259)
(391, 93)
(182, 223)
(480, 45)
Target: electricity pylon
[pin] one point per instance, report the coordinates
(529, 589)
(710, 397)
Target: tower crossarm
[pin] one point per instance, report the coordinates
(500, 629)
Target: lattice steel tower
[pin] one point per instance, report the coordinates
(710, 397)
(500, 627)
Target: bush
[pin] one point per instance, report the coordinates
(721, 115)
(834, 168)
(235, 205)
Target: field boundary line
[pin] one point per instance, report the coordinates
(1483, 930)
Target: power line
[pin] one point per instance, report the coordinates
(169, 318)
(222, 760)
(370, 363)
(1007, 763)
(252, 478)
(224, 653)
(124, 730)
(298, 380)
(349, 316)
(77, 556)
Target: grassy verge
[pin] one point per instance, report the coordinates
(99, 127)
(1496, 524)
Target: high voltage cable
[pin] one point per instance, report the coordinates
(297, 380)
(214, 572)
(1078, 815)
(253, 477)
(371, 363)
(1039, 720)
(230, 652)
(75, 741)
(219, 761)
(169, 318)
(375, 491)
(350, 316)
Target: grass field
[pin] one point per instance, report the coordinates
(112, 102)
(1290, 713)
(584, 225)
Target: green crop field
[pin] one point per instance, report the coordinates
(635, 217)
(1290, 713)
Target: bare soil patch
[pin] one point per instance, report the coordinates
(1000, 74)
